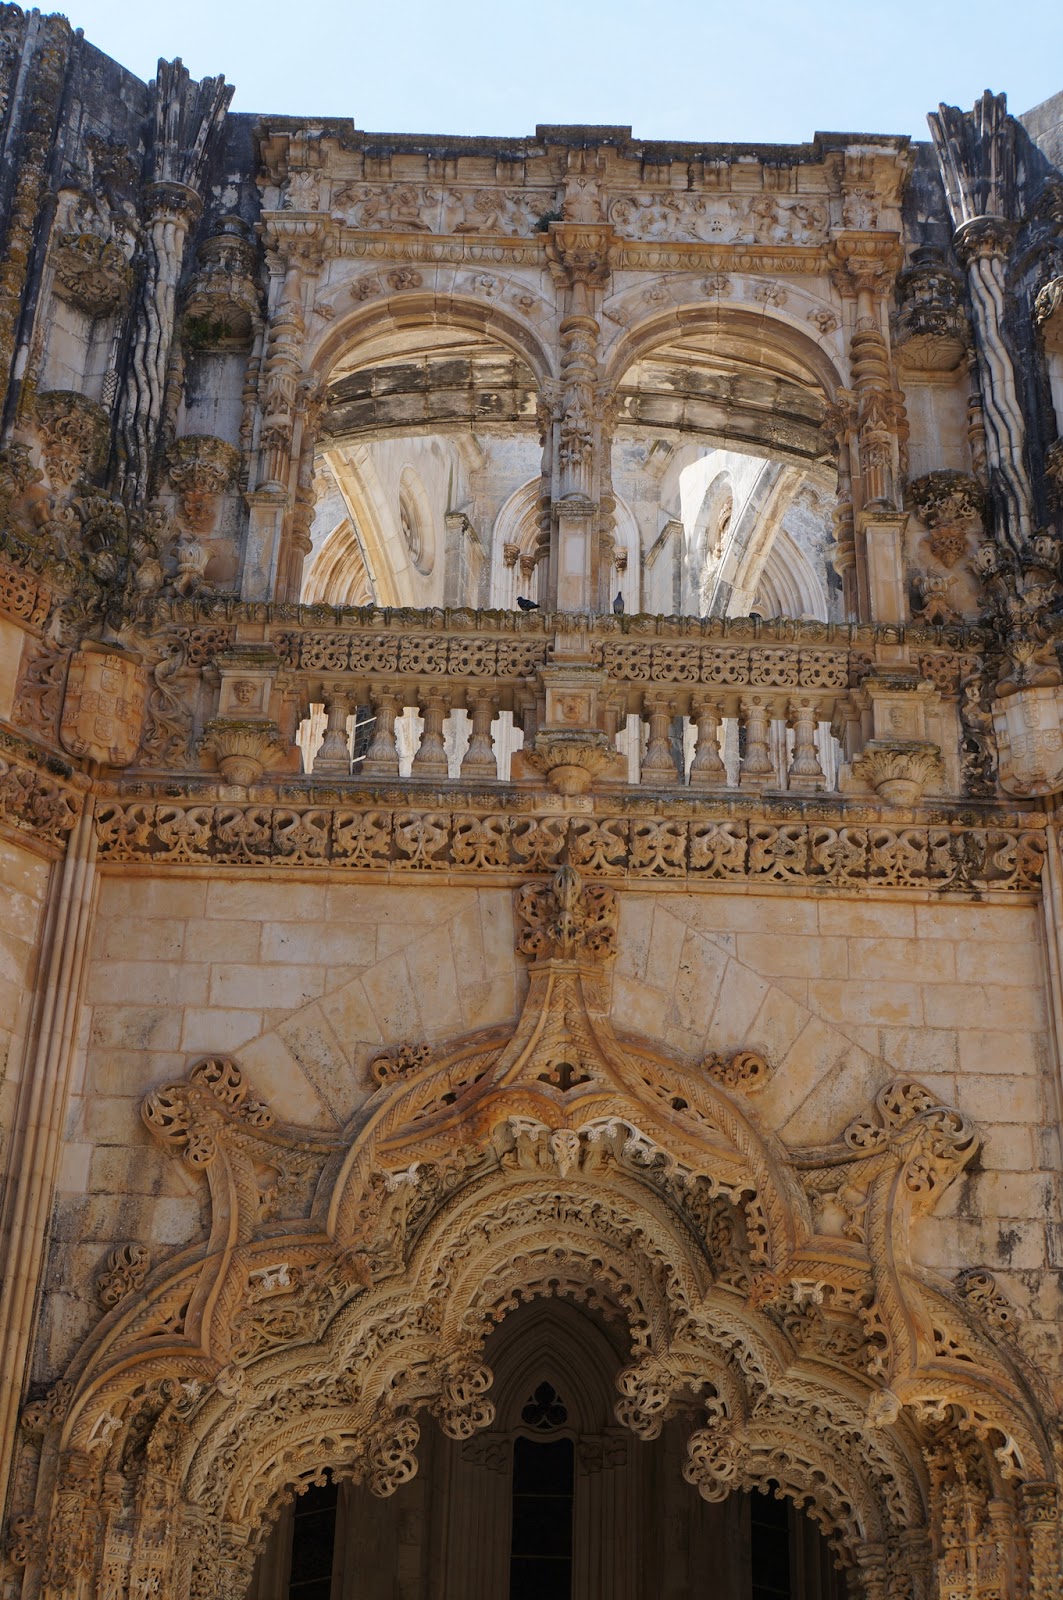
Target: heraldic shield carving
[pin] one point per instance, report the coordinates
(103, 708)
(1029, 730)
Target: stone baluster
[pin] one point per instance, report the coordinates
(707, 770)
(333, 759)
(658, 764)
(382, 756)
(479, 760)
(431, 758)
(757, 767)
(805, 772)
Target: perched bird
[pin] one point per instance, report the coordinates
(527, 605)
(618, 604)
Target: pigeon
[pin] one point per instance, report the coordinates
(618, 603)
(527, 605)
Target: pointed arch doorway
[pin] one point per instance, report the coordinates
(555, 1501)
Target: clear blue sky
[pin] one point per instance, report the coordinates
(714, 70)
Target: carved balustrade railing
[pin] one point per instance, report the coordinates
(258, 692)
(707, 703)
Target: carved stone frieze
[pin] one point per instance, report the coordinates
(720, 850)
(767, 219)
(36, 803)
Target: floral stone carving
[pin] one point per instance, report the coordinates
(900, 771)
(93, 271)
(201, 467)
(243, 750)
(74, 434)
(952, 505)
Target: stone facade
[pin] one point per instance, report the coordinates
(531, 735)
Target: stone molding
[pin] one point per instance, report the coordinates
(704, 850)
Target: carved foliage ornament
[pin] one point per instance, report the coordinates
(565, 919)
(201, 467)
(94, 272)
(74, 433)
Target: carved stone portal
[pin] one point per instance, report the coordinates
(350, 1283)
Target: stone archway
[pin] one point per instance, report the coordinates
(349, 1286)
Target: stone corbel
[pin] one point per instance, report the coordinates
(243, 738)
(933, 335)
(570, 747)
(243, 750)
(201, 468)
(899, 760)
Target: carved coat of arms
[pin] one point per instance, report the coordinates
(1029, 730)
(103, 708)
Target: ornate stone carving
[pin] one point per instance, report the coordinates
(223, 303)
(571, 761)
(976, 155)
(721, 850)
(1054, 470)
(243, 750)
(980, 1288)
(933, 334)
(720, 219)
(94, 271)
(1048, 313)
(103, 706)
(188, 1116)
(127, 1267)
(201, 468)
(900, 770)
(75, 432)
(746, 1070)
(952, 506)
(1029, 736)
(565, 919)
